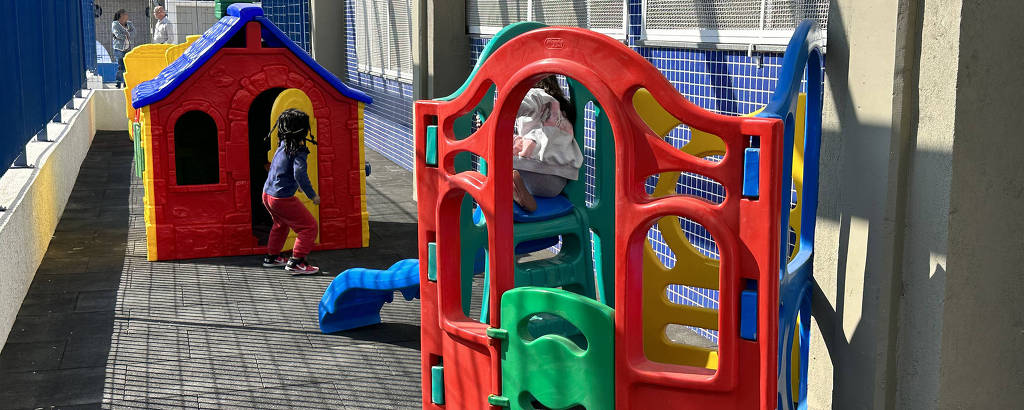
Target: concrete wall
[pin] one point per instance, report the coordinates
(35, 199)
(439, 39)
(110, 109)
(855, 245)
(920, 237)
(982, 361)
(328, 35)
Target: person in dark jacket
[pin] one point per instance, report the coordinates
(287, 174)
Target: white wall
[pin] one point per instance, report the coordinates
(110, 110)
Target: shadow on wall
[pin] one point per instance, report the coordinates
(867, 175)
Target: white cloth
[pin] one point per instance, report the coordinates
(163, 32)
(545, 143)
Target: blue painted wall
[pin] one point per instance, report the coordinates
(45, 67)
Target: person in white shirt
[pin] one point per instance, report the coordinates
(163, 32)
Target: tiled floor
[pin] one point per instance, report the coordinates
(103, 327)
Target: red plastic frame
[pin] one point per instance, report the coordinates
(746, 229)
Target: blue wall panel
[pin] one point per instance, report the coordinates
(88, 35)
(44, 44)
(388, 128)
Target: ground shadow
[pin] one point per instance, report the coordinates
(57, 351)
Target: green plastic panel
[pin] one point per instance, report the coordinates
(140, 157)
(432, 261)
(431, 145)
(552, 368)
(437, 384)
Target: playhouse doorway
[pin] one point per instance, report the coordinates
(259, 146)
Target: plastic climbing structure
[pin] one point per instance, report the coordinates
(588, 327)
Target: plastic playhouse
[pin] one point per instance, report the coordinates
(201, 114)
(588, 327)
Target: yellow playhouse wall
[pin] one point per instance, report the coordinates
(148, 202)
(362, 179)
(175, 51)
(143, 63)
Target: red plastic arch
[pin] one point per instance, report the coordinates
(746, 228)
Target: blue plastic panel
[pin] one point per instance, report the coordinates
(748, 314)
(751, 163)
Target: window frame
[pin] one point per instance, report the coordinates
(620, 35)
(388, 60)
(172, 165)
(746, 39)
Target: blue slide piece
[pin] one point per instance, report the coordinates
(355, 297)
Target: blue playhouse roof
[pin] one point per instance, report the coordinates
(212, 40)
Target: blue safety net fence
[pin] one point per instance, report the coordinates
(292, 17)
(42, 45)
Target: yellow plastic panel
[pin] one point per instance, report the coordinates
(148, 203)
(691, 267)
(143, 63)
(798, 168)
(175, 51)
(295, 98)
(362, 180)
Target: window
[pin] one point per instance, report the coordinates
(741, 22)
(487, 17)
(196, 156)
(384, 37)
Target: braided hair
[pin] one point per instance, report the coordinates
(550, 85)
(292, 127)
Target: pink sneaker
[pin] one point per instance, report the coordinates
(271, 261)
(300, 267)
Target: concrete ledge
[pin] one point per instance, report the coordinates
(35, 199)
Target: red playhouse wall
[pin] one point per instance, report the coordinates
(215, 220)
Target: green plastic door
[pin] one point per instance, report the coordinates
(558, 350)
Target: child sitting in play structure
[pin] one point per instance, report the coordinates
(546, 154)
(287, 174)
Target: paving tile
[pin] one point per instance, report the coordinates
(192, 315)
(227, 340)
(59, 326)
(96, 301)
(162, 402)
(75, 282)
(31, 356)
(92, 351)
(139, 341)
(302, 396)
(323, 363)
(146, 380)
(43, 303)
(372, 391)
(65, 387)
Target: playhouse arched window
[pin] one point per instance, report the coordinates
(196, 157)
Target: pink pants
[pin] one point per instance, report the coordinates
(290, 213)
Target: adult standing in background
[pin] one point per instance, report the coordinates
(163, 32)
(121, 28)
